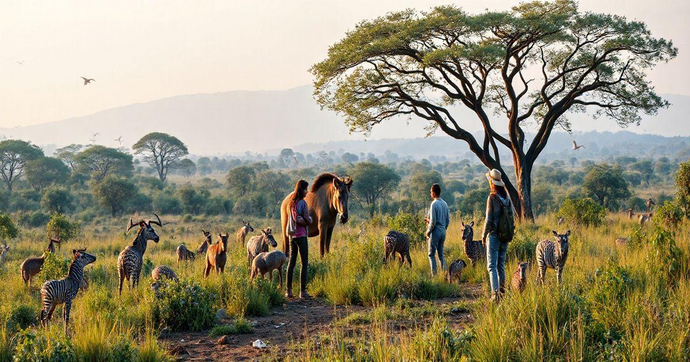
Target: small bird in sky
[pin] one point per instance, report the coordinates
(20, 62)
(88, 80)
(95, 134)
(576, 147)
(119, 140)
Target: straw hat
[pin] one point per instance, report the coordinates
(494, 176)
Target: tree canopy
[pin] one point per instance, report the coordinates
(605, 185)
(529, 66)
(114, 193)
(101, 161)
(45, 171)
(13, 156)
(373, 181)
(161, 151)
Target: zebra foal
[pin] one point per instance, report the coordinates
(552, 254)
(56, 292)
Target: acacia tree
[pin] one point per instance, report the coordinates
(532, 64)
(101, 161)
(161, 151)
(14, 154)
(373, 181)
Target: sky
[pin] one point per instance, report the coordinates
(139, 51)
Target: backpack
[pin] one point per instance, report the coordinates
(506, 224)
(292, 224)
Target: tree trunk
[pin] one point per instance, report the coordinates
(524, 191)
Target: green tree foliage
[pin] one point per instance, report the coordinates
(348, 157)
(240, 180)
(60, 225)
(193, 199)
(286, 155)
(161, 151)
(420, 184)
(14, 154)
(473, 202)
(8, 230)
(373, 182)
(410, 63)
(606, 185)
(185, 167)
(583, 211)
(100, 162)
(45, 171)
(275, 185)
(68, 155)
(114, 193)
(57, 200)
(683, 185)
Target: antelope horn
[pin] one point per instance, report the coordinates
(159, 223)
(131, 225)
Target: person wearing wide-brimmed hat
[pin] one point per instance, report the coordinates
(496, 250)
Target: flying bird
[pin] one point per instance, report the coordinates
(95, 134)
(576, 147)
(87, 80)
(20, 62)
(119, 140)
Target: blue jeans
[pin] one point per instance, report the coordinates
(436, 241)
(496, 263)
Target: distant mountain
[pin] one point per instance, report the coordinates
(259, 121)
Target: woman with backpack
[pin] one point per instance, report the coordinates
(298, 224)
(498, 226)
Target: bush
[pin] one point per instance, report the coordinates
(411, 224)
(60, 225)
(167, 204)
(583, 211)
(54, 267)
(240, 326)
(20, 317)
(31, 346)
(38, 219)
(669, 214)
(184, 305)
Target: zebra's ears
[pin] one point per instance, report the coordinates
(472, 223)
(567, 233)
(463, 223)
(555, 233)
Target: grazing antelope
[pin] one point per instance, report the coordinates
(207, 242)
(267, 263)
(552, 254)
(259, 244)
(216, 256)
(130, 260)
(645, 218)
(184, 254)
(3, 250)
(242, 232)
(56, 292)
(474, 249)
(32, 266)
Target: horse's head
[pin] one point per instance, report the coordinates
(342, 195)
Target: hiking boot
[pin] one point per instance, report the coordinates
(304, 295)
(288, 294)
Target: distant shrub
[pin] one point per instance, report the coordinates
(583, 211)
(8, 229)
(184, 305)
(411, 224)
(60, 224)
(38, 219)
(669, 214)
(167, 204)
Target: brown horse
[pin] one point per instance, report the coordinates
(326, 199)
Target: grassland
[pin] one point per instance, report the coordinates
(616, 302)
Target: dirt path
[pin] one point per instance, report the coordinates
(286, 326)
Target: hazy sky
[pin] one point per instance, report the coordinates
(140, 51)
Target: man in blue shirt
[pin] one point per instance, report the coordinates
(438, 221)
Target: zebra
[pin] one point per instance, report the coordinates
(552, 254)
(242, 232)
(130, 260)
(56, 292)
(397, 242)
(474, 249)
(207, 242)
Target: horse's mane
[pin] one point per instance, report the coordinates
(322, 179)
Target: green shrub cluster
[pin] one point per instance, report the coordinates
(184, 305)
(583, 211)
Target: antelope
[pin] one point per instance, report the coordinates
(131, 258)
(32, 266)
(259, 243)
(207, 242)
(631, 213)
(243, 231)
(3, 250)
(216, 256)
(56, 292)
(184, 254)
(650, 204)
